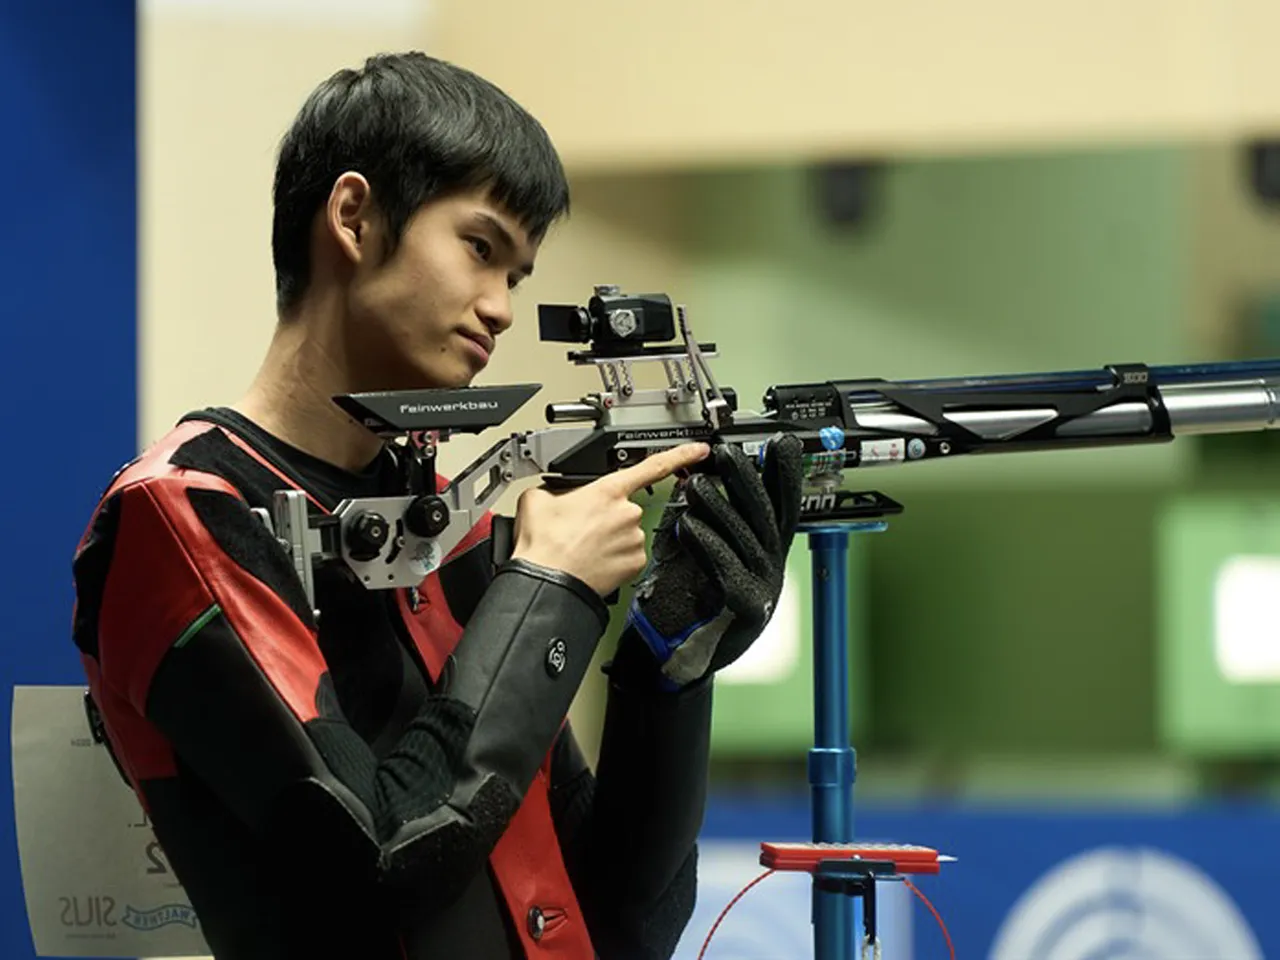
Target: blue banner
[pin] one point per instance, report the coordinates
(68, 363)
(1070, 883)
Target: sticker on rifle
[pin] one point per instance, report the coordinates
(424, 557)
(883, 451)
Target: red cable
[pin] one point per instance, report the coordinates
(741, 894)
(936, 915)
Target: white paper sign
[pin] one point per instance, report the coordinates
(97, 884)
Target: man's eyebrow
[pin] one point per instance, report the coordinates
(504, 237)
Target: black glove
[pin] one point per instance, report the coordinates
(717, 563)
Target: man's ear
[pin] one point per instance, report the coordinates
(350, 217)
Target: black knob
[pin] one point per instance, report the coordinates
(367, 535)
(427, 516)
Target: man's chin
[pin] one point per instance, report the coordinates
(445, 374)
(446, 379)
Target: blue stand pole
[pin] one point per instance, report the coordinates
(832, 760)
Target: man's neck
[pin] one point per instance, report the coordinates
(292, 396)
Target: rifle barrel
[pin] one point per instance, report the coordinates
(1236, 397)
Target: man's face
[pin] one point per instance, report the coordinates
(428, 315)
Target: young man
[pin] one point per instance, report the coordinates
(396, 780)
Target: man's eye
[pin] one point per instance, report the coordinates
(482, 247)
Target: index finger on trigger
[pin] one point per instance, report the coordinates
(659, 466)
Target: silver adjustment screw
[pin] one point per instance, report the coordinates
(623, 322)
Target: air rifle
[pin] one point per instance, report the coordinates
(845, 425)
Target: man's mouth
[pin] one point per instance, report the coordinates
(482, 343)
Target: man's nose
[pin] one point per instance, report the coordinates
(494, 310)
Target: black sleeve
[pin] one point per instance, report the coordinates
(629, 832)
(206, 632)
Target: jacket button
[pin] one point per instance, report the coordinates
(557, 657)
(537, 922)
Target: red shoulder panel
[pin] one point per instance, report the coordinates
(167, 571)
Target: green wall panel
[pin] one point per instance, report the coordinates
(1202, 709)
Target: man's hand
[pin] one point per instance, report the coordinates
(718, 562)
(594, 532)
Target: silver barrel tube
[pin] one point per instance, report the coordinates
(571, 412)
(1193, 409)
(1223, 407)
(887, 417)
(1238, 406)
(1118, 420)
(1123, 419)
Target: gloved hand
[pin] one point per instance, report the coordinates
(717, 563)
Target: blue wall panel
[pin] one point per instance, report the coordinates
(68, 268)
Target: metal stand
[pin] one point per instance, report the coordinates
(832, 760)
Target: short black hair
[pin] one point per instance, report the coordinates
(417, 128)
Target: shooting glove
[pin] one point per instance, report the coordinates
(717, 563)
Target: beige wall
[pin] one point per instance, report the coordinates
(627, 85)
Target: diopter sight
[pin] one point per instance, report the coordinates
(612, 322)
